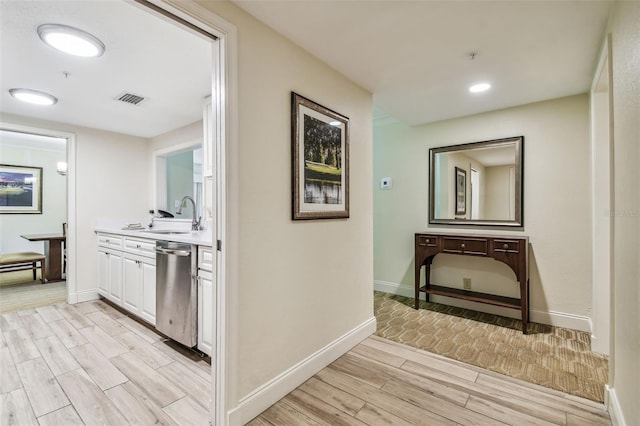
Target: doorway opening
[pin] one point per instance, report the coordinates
(34, 183)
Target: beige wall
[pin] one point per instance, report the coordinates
(625, 29)
(498, 192)
(556, 203)
(301, 284)
(104, 188)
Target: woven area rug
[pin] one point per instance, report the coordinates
(553, 357)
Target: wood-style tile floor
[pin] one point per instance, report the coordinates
(90, 364)
(381, 382)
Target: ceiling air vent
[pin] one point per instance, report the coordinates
(130, 98)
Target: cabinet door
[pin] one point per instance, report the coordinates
(206, 306)
(115, 277)
(148, 307)
(103, 270)
(132, 284)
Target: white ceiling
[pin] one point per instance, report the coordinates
(144, 55)
(414, 55)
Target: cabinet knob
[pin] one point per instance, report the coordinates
(505, 246)
(427, 240)
(137, 245)
(462, 245)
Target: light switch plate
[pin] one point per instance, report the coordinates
(386, 183)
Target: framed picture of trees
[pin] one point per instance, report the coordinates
(320, 161)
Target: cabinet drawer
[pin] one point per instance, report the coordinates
(465, 245)
(428, 240)
(110, 241)
(506, 246)
(140, 246)
(205, 258)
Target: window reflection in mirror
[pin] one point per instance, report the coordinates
(179, 173)
(491, 193)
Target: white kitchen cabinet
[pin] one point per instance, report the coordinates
(205, 312)
(139, 283)
(206, 300)
(127, 268)
(115, 275)
(110, 279)
(103, 268)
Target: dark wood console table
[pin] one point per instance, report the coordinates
(513, 251)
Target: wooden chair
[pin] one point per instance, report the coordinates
(64, 248)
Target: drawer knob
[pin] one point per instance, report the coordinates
(138, 245)
(505, 246)
(462, 245)
(427, 240)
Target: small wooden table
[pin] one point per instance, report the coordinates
(513, 251)
(52, 251)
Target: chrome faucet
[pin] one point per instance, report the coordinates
(195, 224)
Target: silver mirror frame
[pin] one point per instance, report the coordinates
(519, 183)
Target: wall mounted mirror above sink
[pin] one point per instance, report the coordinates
(478, 183)
(177, 173)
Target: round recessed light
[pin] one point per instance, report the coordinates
(33, 96)
(71, 40)
(479, 87)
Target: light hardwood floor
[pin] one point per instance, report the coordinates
(90, 364)
(380, 382)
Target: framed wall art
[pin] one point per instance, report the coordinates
(20, 189)
(320, 161)
(461, 191)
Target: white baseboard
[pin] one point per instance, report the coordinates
(558, 319)
(275, 389)
(613, 406)
(82, 296)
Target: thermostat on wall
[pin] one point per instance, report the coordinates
(386, 183)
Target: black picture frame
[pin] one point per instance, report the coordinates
(320, 161)
(20, 189)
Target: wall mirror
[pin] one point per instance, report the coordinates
(178, 172)
(477, 183)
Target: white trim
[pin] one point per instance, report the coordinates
(224, 367)
(83, 296)
(71, 242)
(601, 199)
(557, 319)
(276, 388)
(613, 406)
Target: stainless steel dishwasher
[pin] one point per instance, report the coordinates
(176, 291)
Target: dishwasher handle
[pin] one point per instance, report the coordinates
(173, 252)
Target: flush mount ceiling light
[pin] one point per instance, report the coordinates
(33, 96)
(71, 40)
(479, 87)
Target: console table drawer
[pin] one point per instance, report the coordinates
(506, 246)
(428, 240)
(478, 246)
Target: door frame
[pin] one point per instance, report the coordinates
(225, 159)
(71, 277)
(602, 193)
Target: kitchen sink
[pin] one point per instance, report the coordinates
(165, 231)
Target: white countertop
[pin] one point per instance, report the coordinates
(201, 238)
